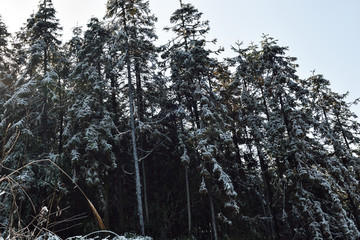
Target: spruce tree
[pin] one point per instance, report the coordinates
(29, 108)
(43, 32)
(133, 32)
(337, 128)
(202, 133)
(248, 114)
(5, 74)
(285, 134)
(90, 130)
(35, 84)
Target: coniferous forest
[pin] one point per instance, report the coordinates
(109, 131)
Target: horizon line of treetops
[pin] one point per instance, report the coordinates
(169, 141)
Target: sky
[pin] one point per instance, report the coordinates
(323, 34)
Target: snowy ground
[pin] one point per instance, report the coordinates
(100, 235)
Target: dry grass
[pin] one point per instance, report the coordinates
(41, 220)
(39, 217)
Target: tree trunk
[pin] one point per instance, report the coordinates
(188, 199)
(61, 119)
(44, 115)
(140, 110)
(145, 192)
(186, 170)
(213, 222)
(135, 154)
(132, 127)
(106, 207)
(343, 133)
(114, 105)
(268, 193)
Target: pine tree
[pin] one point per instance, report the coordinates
(5, 74)
(90, 131)
(248, 115)
(298, 157)
(32, 100)
(272, 155)
(42, 29)
(35, 85)
(4, 62)
(7, 137)
(338, 130)
(134, 36)
(199, 110)
(16, 112)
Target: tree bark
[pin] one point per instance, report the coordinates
(188, 200)
(61, 120)
(135, 154)
(213, 222)
(268, 193)
(44, 116)
(145, 192)
(132, 128)
(140, 110)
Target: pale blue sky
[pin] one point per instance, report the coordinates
(323, 34)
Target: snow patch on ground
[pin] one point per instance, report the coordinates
(99, 235)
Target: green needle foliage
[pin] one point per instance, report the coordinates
(168, 141)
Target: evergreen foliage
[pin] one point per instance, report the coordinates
(169, 141)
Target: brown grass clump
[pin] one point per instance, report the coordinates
(40, 221)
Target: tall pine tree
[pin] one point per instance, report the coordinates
(133, 32)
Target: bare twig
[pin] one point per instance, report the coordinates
(123, 168)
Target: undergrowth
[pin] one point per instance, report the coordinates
(16, 227)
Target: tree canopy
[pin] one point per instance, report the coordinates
(110, 131)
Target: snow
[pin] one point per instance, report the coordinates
(99, 235)
(203, 188)
(74, 155)
(185, 158)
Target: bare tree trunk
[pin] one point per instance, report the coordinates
(140, 110)
(188, 199)
(106, 208)
(45, 105)
(145, 192)
(61, 120)
(135, 154)
(213, 222)
(268, 193)
(133, 137)
(186, 169)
